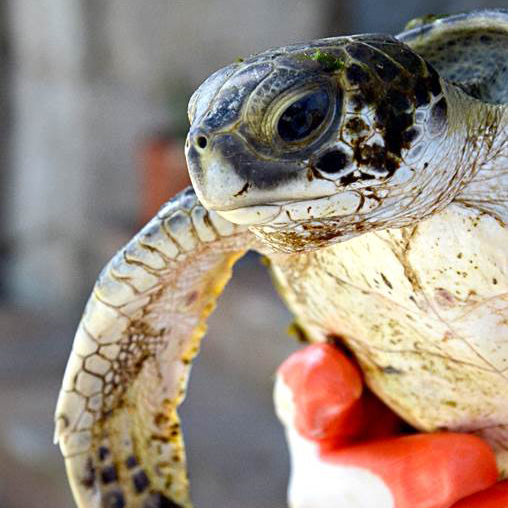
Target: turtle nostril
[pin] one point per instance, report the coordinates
(202, 142)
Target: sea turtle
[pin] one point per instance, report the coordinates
(372, 173)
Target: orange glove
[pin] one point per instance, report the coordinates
(345, 451)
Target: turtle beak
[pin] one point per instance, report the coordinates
(217, 185)
(212, 159)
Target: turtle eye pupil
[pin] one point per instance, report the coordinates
(303, 116)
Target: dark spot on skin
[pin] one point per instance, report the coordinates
(358, 101)
(131, 462)
(113, 499)
(438, 115)
(366, 95)
(159, 500)
(390, 370)
(349, 179)
(421, 93)
(315, 174)
(394, 124)
(356, 125)
(88, 479)
(243, 190)
(376, 157)
(356, 75)
(103, 453)
(410, 135)
(494, 281)
(386, 281)
(332, 162)
(109, 475)
(140, 481)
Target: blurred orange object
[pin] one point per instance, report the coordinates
(163, 173)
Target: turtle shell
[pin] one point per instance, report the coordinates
(468, 49)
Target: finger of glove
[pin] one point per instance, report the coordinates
(325, 388)
(493, 497)
(425, 470)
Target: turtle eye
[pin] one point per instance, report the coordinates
(303, 116)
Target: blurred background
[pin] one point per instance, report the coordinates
(93, 96)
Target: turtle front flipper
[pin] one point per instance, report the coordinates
(116, 417)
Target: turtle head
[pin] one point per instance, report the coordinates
(311, 144)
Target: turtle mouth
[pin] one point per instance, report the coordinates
(252, 215)
(339, 205)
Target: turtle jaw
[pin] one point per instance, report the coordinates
(252, 215)
(228, 175)
(283, 215)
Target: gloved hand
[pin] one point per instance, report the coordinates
(347, 451)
